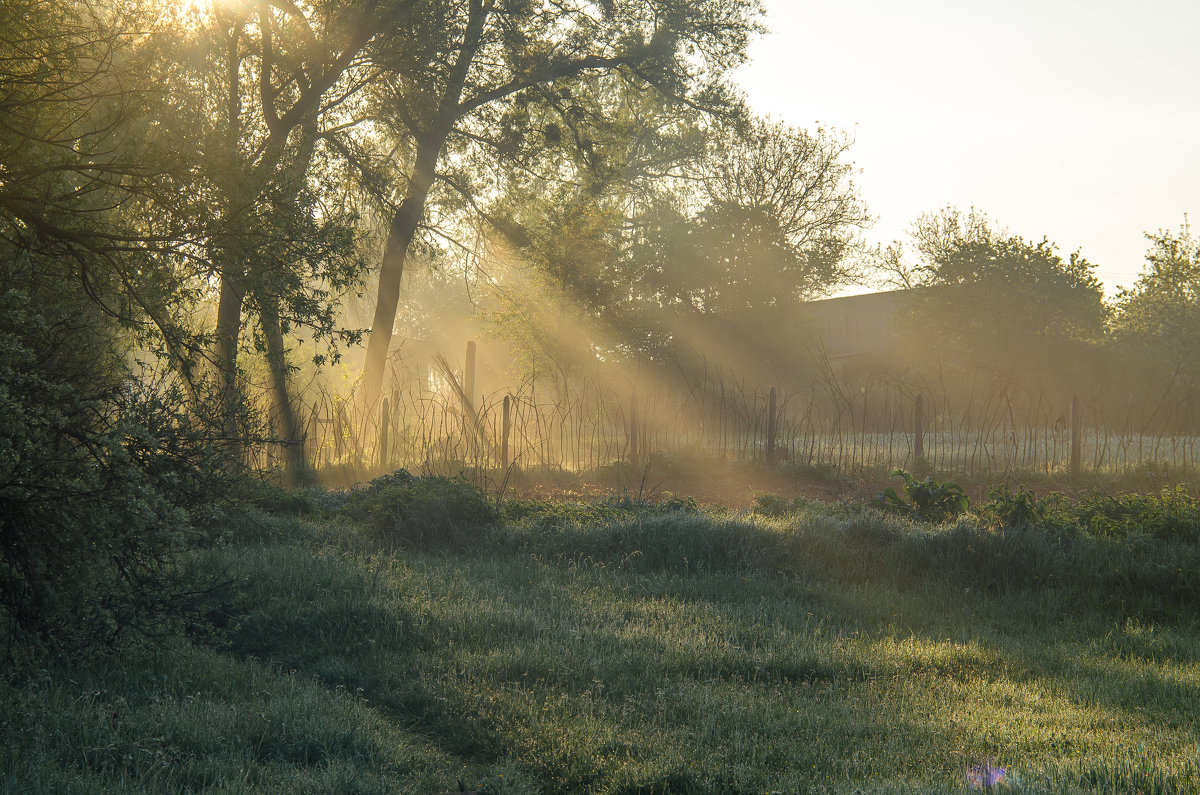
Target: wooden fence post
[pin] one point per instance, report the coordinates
(469, 378)
(919, 430)
(385, 421)
(633, 430)
(772, 426)
(505, 432)
(1076, 436)
(335, 419)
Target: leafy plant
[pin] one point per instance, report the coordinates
(1169, 514)
(1018, 509)
(423, 511)
(930, 500)
(102, 481)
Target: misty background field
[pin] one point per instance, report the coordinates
(424, 395)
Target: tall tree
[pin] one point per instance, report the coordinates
(1156, 327)
(82, 158)
(501, 55)
(254, 89)
(1163, 307)
(164, 153)
(803, 180)
(994, 301)
(775, 221)
(259, 149)
(714, 248)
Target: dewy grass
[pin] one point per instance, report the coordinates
(829, 650)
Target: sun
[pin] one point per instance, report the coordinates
(192, 12)
(202, 6)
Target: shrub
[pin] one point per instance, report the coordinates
(547, 514)
(423, 511)
(1016, 509)
(930, 500)
(1170, 514)
(97, 473)
(273, 499)
(680, 541)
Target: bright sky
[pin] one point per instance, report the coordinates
(1077, 120)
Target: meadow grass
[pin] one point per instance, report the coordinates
(619, 647)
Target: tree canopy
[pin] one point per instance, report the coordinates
(988, 300)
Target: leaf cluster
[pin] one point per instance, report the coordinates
(1172, 513)
(928, 499)
(986, 300)
(430, 511)
(101, 477)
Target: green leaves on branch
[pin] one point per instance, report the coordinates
(929, 499)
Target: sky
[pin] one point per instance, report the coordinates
(1071, 120)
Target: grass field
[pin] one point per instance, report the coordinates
(617, 647)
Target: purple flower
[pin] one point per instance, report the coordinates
(985, 775)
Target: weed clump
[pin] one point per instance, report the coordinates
(424, 512)
(928, 499)
(1170, 514)
(776, 507)
(272, 499)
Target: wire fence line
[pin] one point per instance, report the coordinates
(429, 421)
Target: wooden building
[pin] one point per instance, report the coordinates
(855, 327)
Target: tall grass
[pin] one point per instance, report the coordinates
(621, 647)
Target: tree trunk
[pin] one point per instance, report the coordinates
(294, 462)
(232, 291)
(412, 209)
(225, 351)
(400, 236)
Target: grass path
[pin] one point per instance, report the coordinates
(519, 667)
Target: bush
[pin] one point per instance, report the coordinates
(426, 511)
(1016, 509)
(1170, 514)
(678, 541)
(930, 500)
(97, 473)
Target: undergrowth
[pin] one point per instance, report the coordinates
(370, 644)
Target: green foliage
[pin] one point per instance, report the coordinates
(270, 498)
(1156, 330)
(674, 503)
(1016, 509)
(991, 301)
(675, 541)
(1163, 307)
(552, 513)
(555, 516)
(930, 500)
(519, 101)
(98, 474)
(1172, 513)
(776, 224)
(839, 651)
(423, 511)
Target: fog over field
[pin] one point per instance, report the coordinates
(613, 396)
